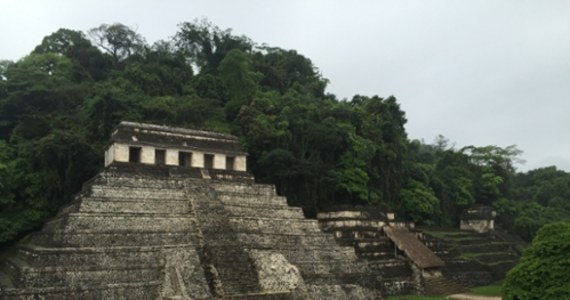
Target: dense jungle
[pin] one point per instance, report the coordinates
(59, 104)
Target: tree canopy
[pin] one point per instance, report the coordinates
(59, 104)
(543, 270)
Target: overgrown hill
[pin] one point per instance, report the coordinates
(59, 103)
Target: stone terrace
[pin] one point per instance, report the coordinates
(146, 232)
(471, 259)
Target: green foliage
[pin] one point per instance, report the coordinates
(542, 272)
(118, 40)
(239, 80)
(418, 201)
(59, 104)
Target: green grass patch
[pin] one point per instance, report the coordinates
(416, 298)
(473, 255)
(450, 235)
(487, 290)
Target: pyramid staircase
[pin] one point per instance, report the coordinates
(441, 285)
(121, 237)
(355, 228)
(264, 223)
(137, 232)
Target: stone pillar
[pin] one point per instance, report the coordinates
(147, 155)
(197, 159)
(171, 157)
(240, 163)
(121, 153)
(220, 161)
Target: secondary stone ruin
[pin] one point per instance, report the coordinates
(478, 218)
(176, 215)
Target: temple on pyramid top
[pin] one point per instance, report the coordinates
(150, 144)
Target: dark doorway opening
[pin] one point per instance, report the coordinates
(135, 154)
(185, 159)
(160, 157)
(230, 161)
(209, 161)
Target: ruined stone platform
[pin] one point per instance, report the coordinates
(150, 232)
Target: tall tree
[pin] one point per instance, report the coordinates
(206, 45)
(239, 80)
(118, 40)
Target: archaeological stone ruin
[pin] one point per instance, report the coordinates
(176, 215)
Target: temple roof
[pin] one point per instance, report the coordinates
(175, 137)
(478, 212)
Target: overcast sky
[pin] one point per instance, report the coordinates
(478, 72)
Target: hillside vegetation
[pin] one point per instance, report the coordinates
(59, 103)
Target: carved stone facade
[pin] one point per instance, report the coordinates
(162, 145)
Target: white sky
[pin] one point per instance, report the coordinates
(482, 72)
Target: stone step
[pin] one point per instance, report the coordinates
(282, 213)
(139, 193)
(124, 180)
(316, 240)
(332, 267)
(349, 237)
(398, 286)
(110, 205)
(344, 215)
(245, 188)
(488, 247)
(313, 255)
(375, 255)
(393, 268)
(438, 286)
(460, 265)
(472, 241)
(342, 280)
(324, 290)
(87, 238)
(469, 278)
(496, 257)
(254, 202)
(79, 276)
(353, 225)
(278, 226)
(38, 256)
(127, 291)
(261, 296)
(372, 245)
(120, 222)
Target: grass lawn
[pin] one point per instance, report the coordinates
(487, 290)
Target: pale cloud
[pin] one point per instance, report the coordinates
(478, 72)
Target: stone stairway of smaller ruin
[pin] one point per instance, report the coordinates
(356, 229)
(471, 259)
(441, 285)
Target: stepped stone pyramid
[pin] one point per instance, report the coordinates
(389, 247)
(175, 215)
